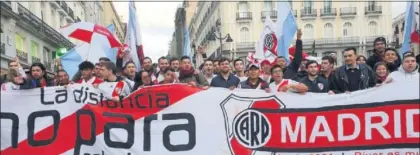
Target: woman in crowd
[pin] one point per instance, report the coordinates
(382, 72)
(142, 79)
(361, 59)
(392, 59)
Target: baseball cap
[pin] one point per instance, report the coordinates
(254, 65)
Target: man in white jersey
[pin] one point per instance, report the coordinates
(86, 69)
(114, 87)
(239, 69)
(284, 85)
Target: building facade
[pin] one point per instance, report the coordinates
(330, 26)
(111, 17)
(29, 29)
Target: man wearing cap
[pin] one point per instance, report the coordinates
(225, 79)
(378, 52)
(254, 81)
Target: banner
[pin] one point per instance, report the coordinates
(161, 120)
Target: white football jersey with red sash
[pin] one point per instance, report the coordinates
(285, 82)
(114, 89)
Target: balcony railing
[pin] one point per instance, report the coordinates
(3, 48)
(23, 56)
(370, 39)
(348, 11)
(373, 10)
(271, 14)
(55, 4)
(35, 59)
(244, 16)
(71, 13)
(245, 45)
(308, 13)
(343, 40)
(328, 12)
(7, 4)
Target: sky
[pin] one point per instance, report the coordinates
(157, 23)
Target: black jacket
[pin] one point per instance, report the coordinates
(372, 60)
(319, 85)
(291, 70)
(340, 82)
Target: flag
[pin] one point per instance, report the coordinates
(133, 38)
(286, 28)
(266, 49)
(112, 53)
(410, 34)
(187, 46)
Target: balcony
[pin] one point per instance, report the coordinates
(3, 48)
(308, 13)
(7, 4)
(370, 39)
(23, 56)
(35, 59)
(343, 40)
(243, 16)
(62, 9)
(70, 15)
(272, 14)
(55, 4)
(348, 12)
(245, 45)
(373, 10)
(328, 13)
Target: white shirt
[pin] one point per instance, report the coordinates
(243, 78)
(285, 82)
(209, 79)
(9, 86)
(109, 89)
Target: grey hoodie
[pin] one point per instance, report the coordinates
(402, 75)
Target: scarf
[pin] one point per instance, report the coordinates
(382, 78)
(186, 73)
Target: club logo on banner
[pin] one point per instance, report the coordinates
(257, 125)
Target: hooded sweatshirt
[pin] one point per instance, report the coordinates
(402, 75)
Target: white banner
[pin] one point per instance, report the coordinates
(162, 120)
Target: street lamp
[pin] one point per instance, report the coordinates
(213, 36)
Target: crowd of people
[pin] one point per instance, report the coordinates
(118, 80)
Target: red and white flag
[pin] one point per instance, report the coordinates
(133, 40)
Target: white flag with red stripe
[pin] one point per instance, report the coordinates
(133, 39)
(161, 120)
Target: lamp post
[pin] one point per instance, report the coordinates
(213, 36)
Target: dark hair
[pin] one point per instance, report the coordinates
(409, 55)
(98, 64)
(311, 62)
(86, 65)
(223, 59)
(236, 60)
(379, 39)
(162, 58)
(40, 65)
(202, 66)
(185, 57)
(361, 56)
(173, 59)
(330, 59)
(167, 70)
(215, 60)
(207, 61)
(147, 58)
(137, 79)
(104, 59)
(129, 62)
(110, 66)
(379, 64)
(349, 49)
(8, 64)
(274, 67)
(281, 57)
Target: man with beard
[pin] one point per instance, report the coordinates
(62, 78)
(216, 66)
(378, 52)
(284, 85)
(39, 75)
(238, 64)
(86, 68)
(352, 76)
(208, 70)
(130, 70)
(187, 74)
(225, 79)
(148, 66)
(254, 81)
(175, 65)
(315, 83)
(163, 64)
(327, 67)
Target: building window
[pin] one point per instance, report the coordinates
(373, 28)
(243, 6)
(268, 6)
(34, 49)
(47, 57)
(371, 5)
(328, 30)
(19, 42)
(244, 34)
(347, 30)
(307, 4)
(309, 31)
(327, 6)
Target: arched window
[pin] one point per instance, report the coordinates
(347, 29)
(308, 31)
(328, 30)
(373, 28)
(244, 34)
